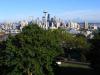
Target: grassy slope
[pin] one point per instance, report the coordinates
(74, 65)
(74, 69)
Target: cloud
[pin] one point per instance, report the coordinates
(89, 15)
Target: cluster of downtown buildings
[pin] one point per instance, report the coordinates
(49, 23)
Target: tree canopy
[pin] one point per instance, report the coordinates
(30, 52)
(94, 54)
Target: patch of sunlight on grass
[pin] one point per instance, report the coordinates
(74, 65)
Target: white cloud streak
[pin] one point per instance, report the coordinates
(89, 15)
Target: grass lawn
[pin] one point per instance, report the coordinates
(74, 69)
(74, 65)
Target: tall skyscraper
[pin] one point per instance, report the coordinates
(86, 26)
(48, 17)
(52, 22)
(48, 20)
(45, 16)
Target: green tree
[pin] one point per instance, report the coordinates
(77, 44)
(31, 52)
(94, 54)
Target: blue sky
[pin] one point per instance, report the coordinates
(66, 9)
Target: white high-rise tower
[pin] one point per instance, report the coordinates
(86, 26)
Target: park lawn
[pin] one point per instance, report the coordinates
(74, 69)
(74, 65)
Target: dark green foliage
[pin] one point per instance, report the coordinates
(94, 54)
(30, 52)
(76, 45)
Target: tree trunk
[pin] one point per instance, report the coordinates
(69, 57)
(29, 73)
(83, 58)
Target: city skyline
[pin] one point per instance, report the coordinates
(77, 10)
